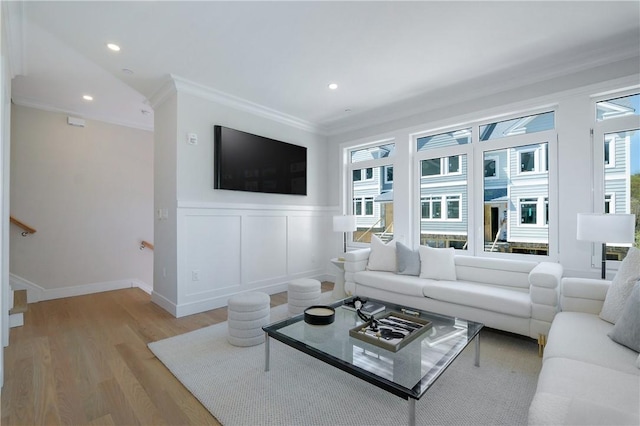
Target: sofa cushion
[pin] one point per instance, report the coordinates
(626, 277)
(382, 256)
(495, 299)
(501, 272)
(408, 260)
(403, 284)
(613, 394)
(583, 337)
(626, 331)
(437, 263)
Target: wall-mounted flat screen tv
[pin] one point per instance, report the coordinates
(246, 162)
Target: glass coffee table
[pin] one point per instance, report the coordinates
(407, 373)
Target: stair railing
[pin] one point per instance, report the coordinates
(26, 229)
(144, 244)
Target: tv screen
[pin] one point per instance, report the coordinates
(246, 162)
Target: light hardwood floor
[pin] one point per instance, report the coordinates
(84, 361)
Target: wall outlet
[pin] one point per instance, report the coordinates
(195, 275)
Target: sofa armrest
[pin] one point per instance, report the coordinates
(544, 290)
(356, 260)
(583, 294)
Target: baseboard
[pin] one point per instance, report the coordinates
(35, 293)
(164, 303)
(215, 302)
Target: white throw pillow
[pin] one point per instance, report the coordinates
(437, 263)
(382, 256)
(621, 286)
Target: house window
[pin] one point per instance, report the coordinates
(528, 211)
(388, 174)
(453, 207)
(441, 166)
(490, 167)
(609, 206)
(363, 206)
(432, 207)
(527, 161)
(362, 174)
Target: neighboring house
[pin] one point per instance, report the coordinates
(373, 195)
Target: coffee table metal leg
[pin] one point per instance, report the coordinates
(477, 339)
(412, 412)
(266, 351)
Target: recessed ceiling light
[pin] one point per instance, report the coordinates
(87, 97)
(333, 86)
(113, 47)
(347, 110)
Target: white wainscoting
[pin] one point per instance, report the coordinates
(225, 249)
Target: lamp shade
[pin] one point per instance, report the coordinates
(606, 228)
(344, 223)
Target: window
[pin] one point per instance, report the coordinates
(609, 205)
(363, 206)
(432, 207)
(371, 189)
(453, 207)
(388, 174)
(458, 137)
(619, 107)
(363, 174)
(528, 211)
(491, 167)
(621, 179)
(441, 166)
(518, 126)
(533, 159)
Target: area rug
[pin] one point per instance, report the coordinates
(300, 390)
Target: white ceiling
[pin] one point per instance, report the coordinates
(282, 55)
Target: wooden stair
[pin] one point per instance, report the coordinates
(16, 314)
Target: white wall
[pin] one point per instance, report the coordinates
(88, 191)
(571, 96)
(233, 241)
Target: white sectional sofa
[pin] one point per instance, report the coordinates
(511, 295)
(586, 377)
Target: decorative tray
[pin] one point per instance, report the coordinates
(410, 327)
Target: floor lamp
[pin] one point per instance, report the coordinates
(606, 228)
(344, 224)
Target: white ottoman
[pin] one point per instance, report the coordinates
(302, 293)
(246, 314)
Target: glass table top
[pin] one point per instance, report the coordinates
(409, 372)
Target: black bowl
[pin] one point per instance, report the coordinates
(319, 315)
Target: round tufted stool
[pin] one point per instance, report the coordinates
(246, 314)
(302, 293)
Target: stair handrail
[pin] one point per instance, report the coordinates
(368, 230)
(26, 229)
(144, 244)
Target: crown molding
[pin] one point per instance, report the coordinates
(29, 103)
(182, 85)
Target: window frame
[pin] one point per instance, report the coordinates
(599, 129)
